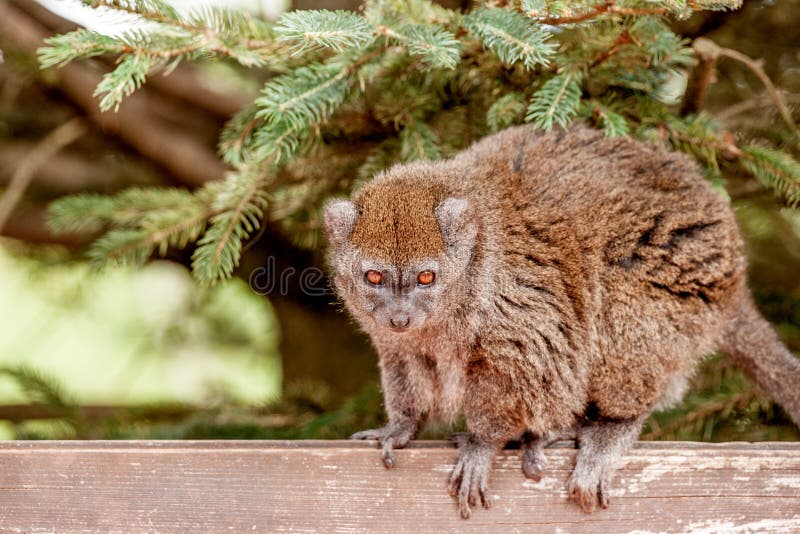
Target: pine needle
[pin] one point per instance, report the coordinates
(402, 80)
(240, 208)
(511, 36)
(776, 170)
(312, 29)
(557, 102)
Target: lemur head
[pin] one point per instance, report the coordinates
(400, 248)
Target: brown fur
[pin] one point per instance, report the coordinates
(397, 222)
(600, 272)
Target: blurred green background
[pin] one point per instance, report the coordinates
(148, 354)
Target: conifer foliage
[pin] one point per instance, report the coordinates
(400, 80)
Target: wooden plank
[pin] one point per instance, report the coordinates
(335, 486)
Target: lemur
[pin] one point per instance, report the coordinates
(546, 285)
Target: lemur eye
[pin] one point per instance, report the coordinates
(374, 277)
(425, 278)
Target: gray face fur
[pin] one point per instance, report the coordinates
(399, 303)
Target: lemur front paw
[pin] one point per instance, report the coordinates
(391, 436)
(469, 480)
(588, 490)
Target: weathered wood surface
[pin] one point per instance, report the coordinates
(334, 486)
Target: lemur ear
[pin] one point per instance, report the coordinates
(340, 218)
(458, 222)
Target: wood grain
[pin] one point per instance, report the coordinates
(335, 486)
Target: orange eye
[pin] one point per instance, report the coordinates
(374, 277)
(425, 278)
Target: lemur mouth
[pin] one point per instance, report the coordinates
(399, 329)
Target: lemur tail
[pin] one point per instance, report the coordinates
(753, 345)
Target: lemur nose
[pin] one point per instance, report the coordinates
(400, 322)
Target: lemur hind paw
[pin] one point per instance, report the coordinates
(533, 464)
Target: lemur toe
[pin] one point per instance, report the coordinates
(584, 496)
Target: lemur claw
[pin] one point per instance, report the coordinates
(389, 437)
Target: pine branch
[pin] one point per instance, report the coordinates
(78, 44)
(506, 111)
(236, 34)
(776, 170)
(393, 12)
(535, 9)
(121, 247)
(622, 39)
(175, 228)
(613, 123)
(157, 232)
(134, 202)
(240, 207)
(715, 5)
(305, 96)
(214, 30)
(435, 45)
(538, 9)
(236, 139)
(40, 388)
(91, 211)
(154, 10)
(394, 103)
(511, 36)
(86, 212)
(699, 136)
(337, 30)
(292, 106)
(557, 102)
(142, 221)
(607, 8)
(209, 31)
(406, 80)
(418, 142)
(279, 141)
(664, 49)
(122, 81)
(217, 23)
(231, 26)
